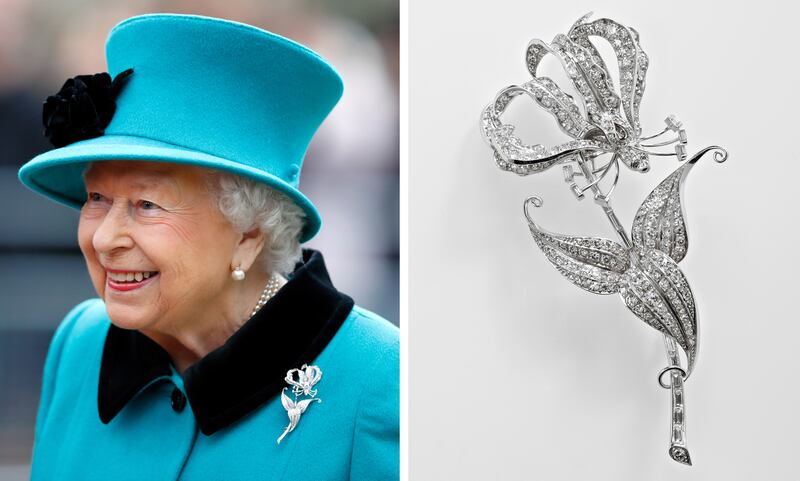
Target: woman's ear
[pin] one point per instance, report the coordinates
(248, 248)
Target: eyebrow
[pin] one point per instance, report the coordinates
(151, 179)
(158, 178)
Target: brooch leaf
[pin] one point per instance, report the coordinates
(646, 274)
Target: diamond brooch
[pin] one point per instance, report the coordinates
(640, 266)
(302, 382)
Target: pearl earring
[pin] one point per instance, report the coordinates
(238, 274)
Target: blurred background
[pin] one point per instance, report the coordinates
(351, 170)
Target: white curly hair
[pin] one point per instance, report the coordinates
(247, 204)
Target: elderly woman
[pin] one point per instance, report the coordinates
(217, 348)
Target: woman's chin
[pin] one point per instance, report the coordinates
(126, 316)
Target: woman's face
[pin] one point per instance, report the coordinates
(158, 250)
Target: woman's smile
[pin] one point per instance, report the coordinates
(129, 280)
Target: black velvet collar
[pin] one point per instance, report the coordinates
(249, 369)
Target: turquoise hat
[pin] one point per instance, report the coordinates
(206, 92)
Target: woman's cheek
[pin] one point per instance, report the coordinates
(86, 231)
(171, 230)
(96, 273)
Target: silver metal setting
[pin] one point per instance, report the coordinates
(302, 382)
(643, 266)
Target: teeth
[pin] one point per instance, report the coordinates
(129, 276)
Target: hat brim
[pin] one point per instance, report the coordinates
(57, 174)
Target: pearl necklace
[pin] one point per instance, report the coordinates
(270, 289)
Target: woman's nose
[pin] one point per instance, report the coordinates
(114, 231)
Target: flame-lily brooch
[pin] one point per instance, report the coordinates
(642, 266)
(302, 382)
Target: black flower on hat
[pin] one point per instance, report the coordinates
(83, 108)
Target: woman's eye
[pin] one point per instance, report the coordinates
(95, 197)
(147, 205)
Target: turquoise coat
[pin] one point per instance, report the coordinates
(220, 420)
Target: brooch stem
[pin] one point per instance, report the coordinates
(677, 445)
(602, 200)
(677, 374)
(677, 448)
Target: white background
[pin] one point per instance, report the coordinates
(515, 373)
